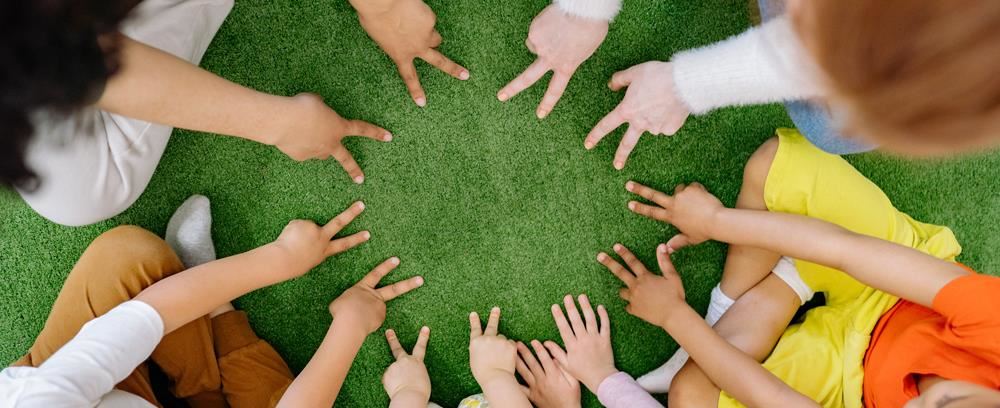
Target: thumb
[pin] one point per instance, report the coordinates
(677, 242)
(622, 79)
(663, 259)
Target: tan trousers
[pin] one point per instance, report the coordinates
(216, 362)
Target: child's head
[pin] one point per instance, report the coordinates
(918, 77)
(56, 54)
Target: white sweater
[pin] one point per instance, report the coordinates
(762, 65)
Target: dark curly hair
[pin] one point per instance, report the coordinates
(56, 55)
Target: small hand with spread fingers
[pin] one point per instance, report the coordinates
(692, 209)
(404, 29)
(308, 244)
(549, 385)
(406, 380)
(651, 297)
(363, 305)
(588, 355)
(492, 358)
(562, 42)
(651, 104)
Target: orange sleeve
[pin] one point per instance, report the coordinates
(969, 305)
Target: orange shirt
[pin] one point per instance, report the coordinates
(959, 339)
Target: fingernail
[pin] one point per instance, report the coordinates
(421, 101)
(463, 75)
(588, 145)
(542, 113)
(420, 281)
(473, 314)
(387, 136)
(394, 260)
(502, 97)
(662, 248)
(618, 247)
(619, 165)
(366, 235)
(629, 186)
(601, 256)
(425, 329)
(495, 309)
(670, 249)
(361, 205)
(359, 179)
(631, 205)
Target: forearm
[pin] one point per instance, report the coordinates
(889, 267)
(505, 392)
(193, 293)
(319, 383)
(729, 368)
(408, 400)
(158, 87)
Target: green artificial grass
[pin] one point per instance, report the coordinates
(491, 205)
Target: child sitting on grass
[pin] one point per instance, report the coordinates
(903, 324)
(130, 298)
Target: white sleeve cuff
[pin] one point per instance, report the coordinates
(762, 65)
(593, 9)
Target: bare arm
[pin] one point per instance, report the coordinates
(319, 383)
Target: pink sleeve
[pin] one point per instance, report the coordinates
(619, 390)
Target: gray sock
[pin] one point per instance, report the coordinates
(189, 232)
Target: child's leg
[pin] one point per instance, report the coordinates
(253, 374)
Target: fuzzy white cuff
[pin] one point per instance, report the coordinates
(592, 9)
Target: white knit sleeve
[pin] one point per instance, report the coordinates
(592, 9)
(762, 65)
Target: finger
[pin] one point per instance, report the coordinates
(522, 369)
(409, 74)
(650, 194)
(677, 242)
(400, 288)
(664, 261)
(622, 79)
(347, 162)
(439, 61)
(588, 314)
(649, 211)
(616, 268)
(605, 321)
(609, 123)
(625, 294)
(555, 91)
(394, 346)
(493, 324)
(530, 46)
(343, 244)
(532, 74)
(633, 263)
(679, 188)
(574, 316)
(626, 146)
(557, 353)
(475, 326)
(564, 330)
(365, 129)
(341, 220)
(529, 360)
(697, 185)
(372, 278)
(420, 349)
(436, 39)
(543, 356)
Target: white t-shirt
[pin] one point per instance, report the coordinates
(84, 372)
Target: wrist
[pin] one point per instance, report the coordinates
(348, 329)
(370, 7)
(677, 317)
(493, 378)
(409, 398)
(593, 381)
(714, 222)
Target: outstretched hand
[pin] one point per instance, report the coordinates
(308, 244)
(549, 385)
(404, 29)
(651, 105)
(491, 355)
(562, 42)
(588, 354)
(651, 297)
(692, 209)
(407, 378)
(362, 307)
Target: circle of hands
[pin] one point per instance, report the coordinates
(551, 373)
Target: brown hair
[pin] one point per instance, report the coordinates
(919, 76)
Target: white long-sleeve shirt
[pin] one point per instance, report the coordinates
(84, 372)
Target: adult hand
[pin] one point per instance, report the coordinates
(491, 356)
(308, 244)
(651, 105)
(317, 132)
(588, 355)
(404, 29)
(362, 307)
(407, 378)
(692, 209)
(562, 42)
(651, 297)
(549, 385)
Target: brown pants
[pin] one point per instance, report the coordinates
(215, 362)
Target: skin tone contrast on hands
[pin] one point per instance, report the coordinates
(562, 42)
(588, 355)
(651, 104)
(548, 384)
(404, 29)
(406, 380)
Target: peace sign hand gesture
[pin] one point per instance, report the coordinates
(651, 297)
(363, 305)
(306, 244)
(407, 378)
(491, 356)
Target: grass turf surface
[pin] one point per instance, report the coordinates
(492, 206)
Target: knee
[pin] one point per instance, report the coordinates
(760, 162)
(688, 391)
(129, 250)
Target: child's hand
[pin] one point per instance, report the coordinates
(307, 244)
(692, 210)
(651, 297)
(588, 354)
(407, 378)
(549, 385)
(362, 307)
(491, 355)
